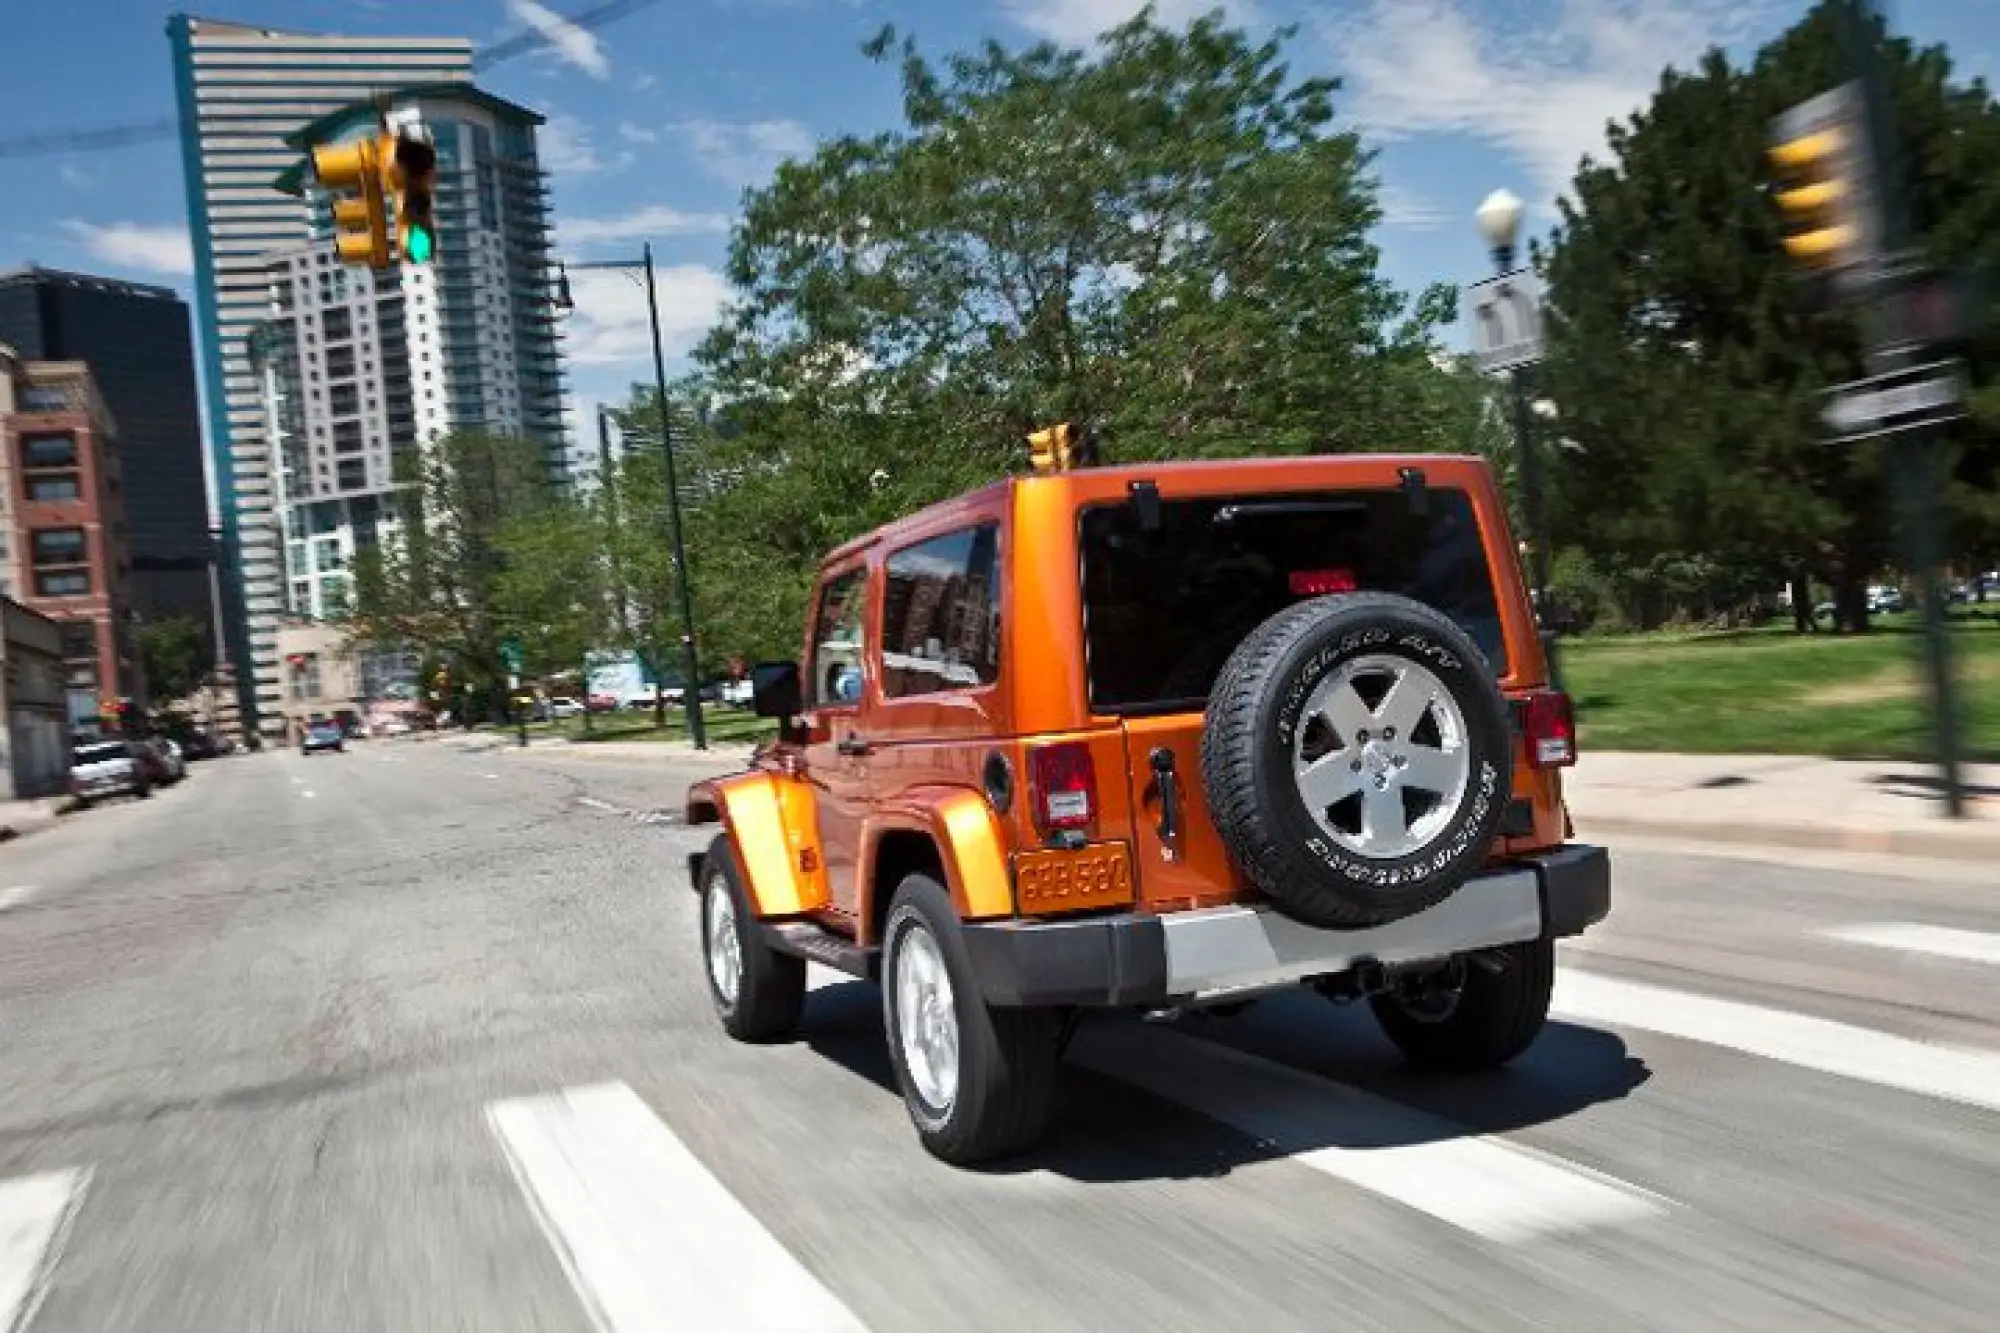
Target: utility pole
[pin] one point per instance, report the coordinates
(691, 697)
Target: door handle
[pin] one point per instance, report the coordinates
(853, 745)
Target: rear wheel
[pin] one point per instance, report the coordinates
(979, 1082)
(758, 992)
(1475, 1013)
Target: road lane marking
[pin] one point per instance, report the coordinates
(35, 1217)
(1952, 1073)
(596, 804)
(1500, 1191)
(306, 794)
(17, 895)
(1966, 946)
(650, 1240)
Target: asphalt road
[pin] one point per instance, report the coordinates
(415, 1039)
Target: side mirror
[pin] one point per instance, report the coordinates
(774, 690)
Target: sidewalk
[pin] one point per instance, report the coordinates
(1840, 805)
(20, 818)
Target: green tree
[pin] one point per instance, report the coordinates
(1167, 235)
(434, 583)
(1688, 356)
(174, 654)
(553, 591)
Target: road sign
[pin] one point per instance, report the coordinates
(512, 655)
(1506, 317)
(1897, 401)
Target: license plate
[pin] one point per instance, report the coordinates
(1055, 881)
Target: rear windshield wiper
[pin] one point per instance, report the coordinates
(1285, 508)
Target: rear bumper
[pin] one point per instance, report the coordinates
(1136, 959)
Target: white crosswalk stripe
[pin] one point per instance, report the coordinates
(649, 1238)
(35, 1216)
(1965, 946)
(1493, 1189)
(1949, 1072)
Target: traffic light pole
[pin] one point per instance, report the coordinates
(1918, 463)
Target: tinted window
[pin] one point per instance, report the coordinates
(941, 614)
(59, 546)
(48, 451)
(1166, 608)
(835, 673)
(99, 753)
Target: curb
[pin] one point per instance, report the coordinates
(1979, 841)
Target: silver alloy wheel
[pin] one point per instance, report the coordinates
(926, 1018)
(725, 950)
(1376, 757)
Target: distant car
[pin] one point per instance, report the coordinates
(108, 768)
(323, 736)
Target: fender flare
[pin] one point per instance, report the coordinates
(972, 847)
(770, 821)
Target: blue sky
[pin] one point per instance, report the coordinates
(660, 119)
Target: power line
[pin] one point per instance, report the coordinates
(49, 143)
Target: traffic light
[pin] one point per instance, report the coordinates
(1826, 187)
(351, 172)
(410, 170)
(1052, 449)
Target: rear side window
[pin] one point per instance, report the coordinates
(101, 752)
(941, 614)
(1164, 609)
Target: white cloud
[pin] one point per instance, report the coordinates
(745, 152)
(1404, 208)
(136, 245)
(609, 325)
(1540, 86)
(645, 81)
(631, 133)
(75, 176)
(1078, 22)
(653, 220)
(571, 44)
(564, 146)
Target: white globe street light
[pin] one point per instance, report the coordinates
(1499, 219)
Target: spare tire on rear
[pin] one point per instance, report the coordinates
(1356, 758)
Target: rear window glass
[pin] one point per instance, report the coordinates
(1164, 609)
(97, 754)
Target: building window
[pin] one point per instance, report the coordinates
(62, 583)
(54, 486)
(46, 451)
(59, 546)
(79, 640)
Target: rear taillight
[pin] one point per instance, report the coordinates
(1064, 783)
(1549, 726)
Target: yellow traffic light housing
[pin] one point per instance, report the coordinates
(1825, 187)
(1052, 449)
(351, 173)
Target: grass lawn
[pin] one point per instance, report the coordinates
(724, 725)
(1770, 691)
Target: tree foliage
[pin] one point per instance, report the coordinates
(173, 654)
(435, 582)
(1688, 357)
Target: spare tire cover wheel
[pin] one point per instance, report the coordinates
(1357, 758)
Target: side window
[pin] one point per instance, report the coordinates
(941, 614)
(834, 679)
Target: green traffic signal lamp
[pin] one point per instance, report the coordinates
(416, 184)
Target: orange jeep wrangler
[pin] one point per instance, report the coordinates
(1156, 737)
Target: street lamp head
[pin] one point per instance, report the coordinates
(1499, 219)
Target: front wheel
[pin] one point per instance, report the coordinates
(979, 1082)
(1477, 1013)
(758, 992)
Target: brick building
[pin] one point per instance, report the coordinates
(64, 526)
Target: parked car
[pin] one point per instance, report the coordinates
(114, 767)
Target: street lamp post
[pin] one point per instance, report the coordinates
(1499, 221)
(691, 696)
